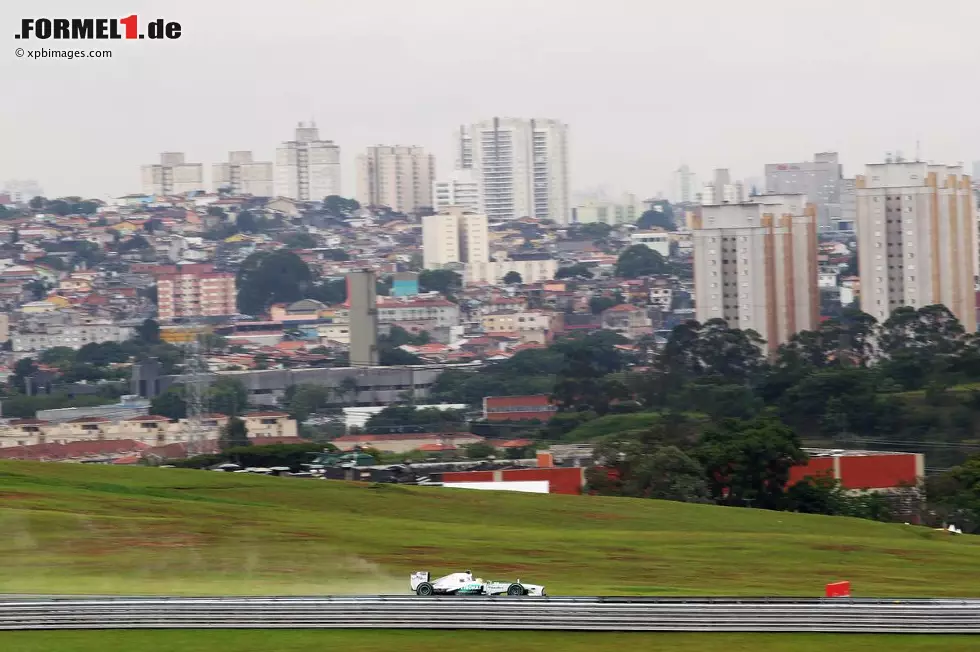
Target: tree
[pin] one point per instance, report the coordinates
(748, 462)
(23, 369)
(338, 255)
(347, 390)
(265, 278)
(58, 356)
(329, 292)
(301, 401)
(37, 203)
(444, 281)
(227, 396)
(217, 211)
(390, 357)
(148, 332)
(649, 462)
(587, 361)
(590, 231)
(479, 450)
(299, 240)
(640, 260)
(661, 215)
(234, 434)
(170, 404)
(578, 270)
(512, 278)
(246, 222)
(135, 243)
(598, 305)
(337, 206)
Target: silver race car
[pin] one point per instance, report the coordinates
(465, 584)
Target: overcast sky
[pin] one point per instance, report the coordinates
(644, 85)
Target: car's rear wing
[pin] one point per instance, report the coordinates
(418, 577)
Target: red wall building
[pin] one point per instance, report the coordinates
(561, 480)
(518, 408)
(863, 469)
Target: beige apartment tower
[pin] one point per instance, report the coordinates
(172, 176)
(243, 176)
(917, 243)
(755, 266)
(454, 236)
(398, 177)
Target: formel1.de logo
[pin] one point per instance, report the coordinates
(96, 28)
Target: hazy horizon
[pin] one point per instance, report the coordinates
(643, 88)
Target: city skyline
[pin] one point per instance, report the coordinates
(632, 145)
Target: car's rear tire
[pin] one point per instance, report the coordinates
(425, 588)
(516, 589)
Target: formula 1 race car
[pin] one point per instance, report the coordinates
(465, 584)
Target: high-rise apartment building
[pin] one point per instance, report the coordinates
(521, 167)
(820, 180)
(243, 176)
(721, 190)
(685, 186)
(916, 233)
(307, 168)
(627, 210)
(363, 316)
(755, 266)
(454, 236)
(172, 176)
(196, 291)
(459, 189)
(397, 177)
(464, 148)
(461, 240)
(21, 191)
(847, 220)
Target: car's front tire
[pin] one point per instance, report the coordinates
(516, 589)
(425, 588)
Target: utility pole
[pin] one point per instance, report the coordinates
(195, 395)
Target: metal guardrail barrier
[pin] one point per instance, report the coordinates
(837, 615)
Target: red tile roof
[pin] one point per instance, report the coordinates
(72, 450)
(435, 448)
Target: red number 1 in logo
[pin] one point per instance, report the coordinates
(130, 23)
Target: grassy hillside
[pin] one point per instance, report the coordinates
(90, 529)
(415, 641)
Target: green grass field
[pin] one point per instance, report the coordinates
(416, 641)
(69, 528)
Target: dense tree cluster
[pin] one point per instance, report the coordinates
(640, 260)
(902, 384)
(225, 395)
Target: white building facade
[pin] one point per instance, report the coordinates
(172, 176)
(658, 240)
(454, 236)
(521, 167)
(917, 239)
(458, 189)
(243, 176)
(307, 168)
(627, 210)
(399, 177)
